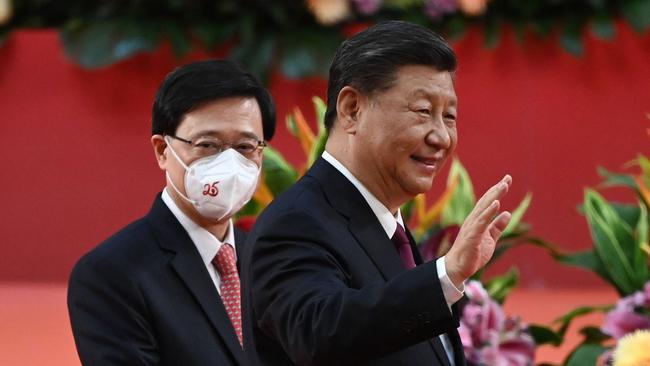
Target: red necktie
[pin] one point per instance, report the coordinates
(401, 242)
(226, 265)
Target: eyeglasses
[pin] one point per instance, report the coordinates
(206, 146)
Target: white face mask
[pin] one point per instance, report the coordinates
(218, 185)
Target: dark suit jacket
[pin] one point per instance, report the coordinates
(144, 297)
(324, 285)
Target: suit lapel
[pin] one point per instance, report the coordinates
(363, 224)
(187, 263)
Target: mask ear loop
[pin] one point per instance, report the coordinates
(169, 179)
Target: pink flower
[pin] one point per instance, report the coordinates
(367, 7)
(488, 336)
(436, 9)
(624, 318)
(620, 322)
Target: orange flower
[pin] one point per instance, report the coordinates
(329, 12)
(473, 7)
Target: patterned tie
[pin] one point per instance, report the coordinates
(401, 242)
(226, 265)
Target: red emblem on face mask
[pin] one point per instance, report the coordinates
(211, 189)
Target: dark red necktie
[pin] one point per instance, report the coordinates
(401, 242)
(226, 265)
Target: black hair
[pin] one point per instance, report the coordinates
(194, 84)
(369, 60)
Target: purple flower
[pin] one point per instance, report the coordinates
(436, 9)
(624, 318)
(439, 243)
(488, 336)
(367, 7)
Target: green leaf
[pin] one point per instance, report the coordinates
(571, 37)
(104, 42)
(586, 260)
(291, 125)
(603, 27)
(278, 174)
(587, 354)
(644, 163)
(499, 287)
(566, 320)
(613, 242)
(517, 215)
(640, 260)
(321, 139)
(213, 34)
(628, 213)
(181, 45)
(308, 53)
(320, 107)
(462, 201)
(252, 208)
(256, 55)
(593, 335)
(407, 211)
(544, 335)
(637, 12)
(616, 180)
(456, 27)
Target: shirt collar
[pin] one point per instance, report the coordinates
(207, 244)
(385, 217)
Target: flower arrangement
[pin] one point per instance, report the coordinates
(489, 336)
(621, 257)
(297, 37)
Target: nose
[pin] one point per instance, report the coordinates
(439, 135)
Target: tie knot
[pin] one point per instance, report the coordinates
(225, 261)
(399, 237)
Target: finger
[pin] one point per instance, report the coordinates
(484, 219)
(499, 224)
(494, 193)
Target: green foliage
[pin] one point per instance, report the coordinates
(617, 251)
(500, 286)
(321, 139)
(463, 200)
(587, 354)
(286, 35)
(278, 173)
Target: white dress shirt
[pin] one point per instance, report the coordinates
(389, 223)
(206, 243)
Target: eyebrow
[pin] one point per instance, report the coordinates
(216, 133)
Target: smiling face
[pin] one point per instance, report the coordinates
(402, 136)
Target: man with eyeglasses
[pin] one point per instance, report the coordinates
(165, 289)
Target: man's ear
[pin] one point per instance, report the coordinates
(348, 109)
(159, 146)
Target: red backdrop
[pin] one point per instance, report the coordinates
(77, 164)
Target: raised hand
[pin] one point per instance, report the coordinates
(478, 235)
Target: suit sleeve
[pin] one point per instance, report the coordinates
(301, 297)
(108, 316)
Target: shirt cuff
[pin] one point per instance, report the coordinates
(451, 293)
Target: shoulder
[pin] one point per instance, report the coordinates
(127, 249)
